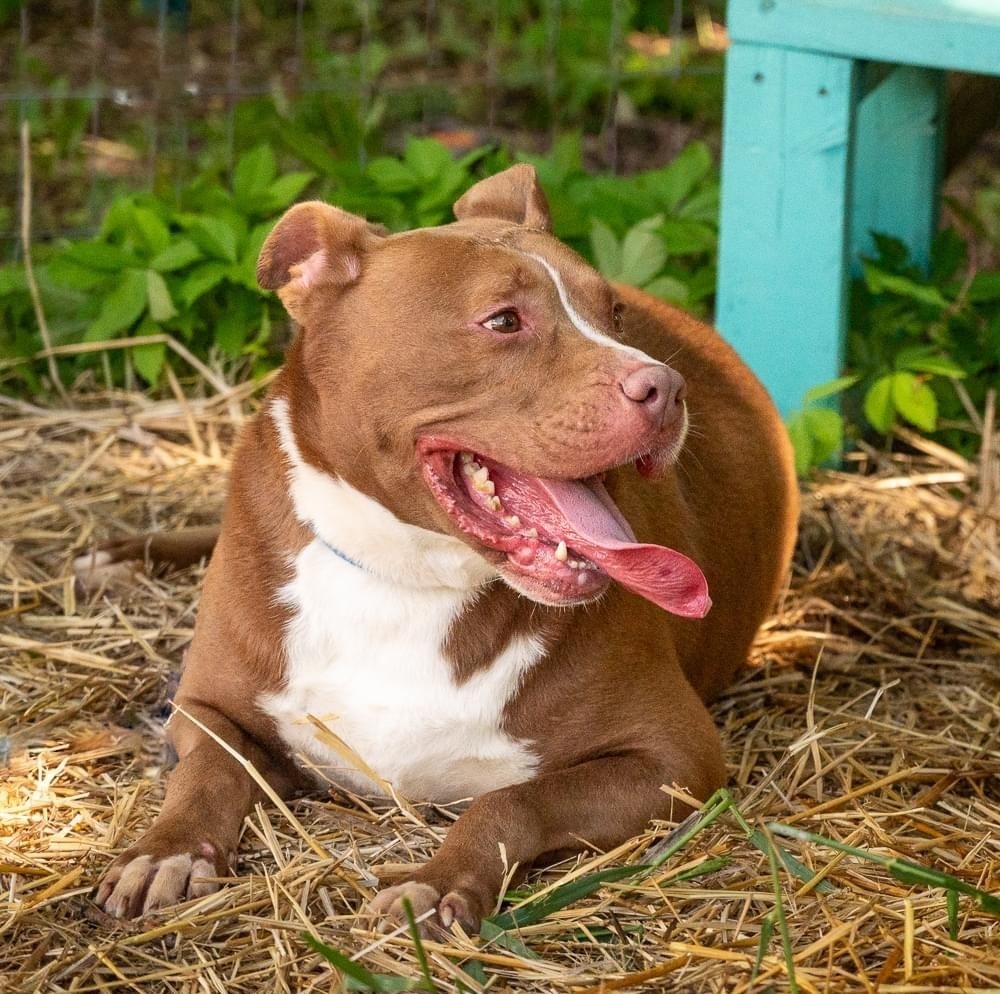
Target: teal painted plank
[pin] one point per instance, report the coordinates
(941, 34)
(785, 189)
(897, 161)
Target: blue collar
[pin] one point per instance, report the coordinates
(339, 554)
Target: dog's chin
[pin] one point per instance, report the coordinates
(558, 592)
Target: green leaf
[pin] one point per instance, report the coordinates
(231, 330)
(830, 388)
(984, 287)
(802, 445)
(702, 205)
(879, 407)
(99, 255)
(497, 936)
(12, 280)
(879, 281)
(948, 255)
(427, 158)
(672, 184)
(921, 359)
(914, 400)
(121, 308)
(216, 237)
(65, 272)
(670, 289)
(161, 307)
(148, 360)
(392, 176)
(685, 237)
(643, 255)
(286, 189)
(200, 280)
(254, 173)
(176, 255)
(892, 252)
(607, 251)
(153, 231)
(826, 429)
(476, 971)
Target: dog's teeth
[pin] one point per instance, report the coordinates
(512, 521)
(562, 553)
(573, 564)
(495, 504)
(481, 474)
(465, 458)
(488, 488)
(469, 468)
(530, 533)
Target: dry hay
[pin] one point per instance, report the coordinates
(871, 718)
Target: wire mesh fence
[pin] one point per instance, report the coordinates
(154, 93)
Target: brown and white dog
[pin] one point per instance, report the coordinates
(473, 436)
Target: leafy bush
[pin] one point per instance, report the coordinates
(921, 346)
(186, 268)
(917, 342)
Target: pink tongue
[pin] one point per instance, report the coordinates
(666, 577)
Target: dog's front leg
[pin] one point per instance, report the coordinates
(599, 803)
(195, 836)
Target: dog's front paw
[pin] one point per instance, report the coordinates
(150, 876)
(459, 904)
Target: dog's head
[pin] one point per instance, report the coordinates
(472, 378)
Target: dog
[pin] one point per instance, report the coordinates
(500, 528)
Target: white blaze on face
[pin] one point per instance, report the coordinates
(581, 324)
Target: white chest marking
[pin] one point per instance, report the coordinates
(364, 652)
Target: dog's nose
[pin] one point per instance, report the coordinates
(658, 390)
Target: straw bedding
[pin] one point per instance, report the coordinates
(870, 716)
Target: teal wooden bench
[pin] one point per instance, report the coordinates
(833, 128)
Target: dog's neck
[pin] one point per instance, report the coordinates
(364, 532)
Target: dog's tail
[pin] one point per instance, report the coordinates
(122, 559)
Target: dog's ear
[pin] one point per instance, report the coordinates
(313, 245)
(513, 195)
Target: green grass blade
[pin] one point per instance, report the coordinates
(766, 931)
(953, 915)
(563, 896)
(713, 809)
(703, 869)
(779, 913)
(357, 977)
(797, 869)
(902, 869)
(418, 947)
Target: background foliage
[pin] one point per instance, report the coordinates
(166, 244)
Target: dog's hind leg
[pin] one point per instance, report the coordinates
(121, 559)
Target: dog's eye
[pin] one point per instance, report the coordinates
(618, 319)
(506, 322)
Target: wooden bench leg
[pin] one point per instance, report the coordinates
(785, 204)
(897, 161)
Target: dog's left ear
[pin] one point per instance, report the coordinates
(513, 195)
(314, 245)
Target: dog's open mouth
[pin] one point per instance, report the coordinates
(558, 541)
